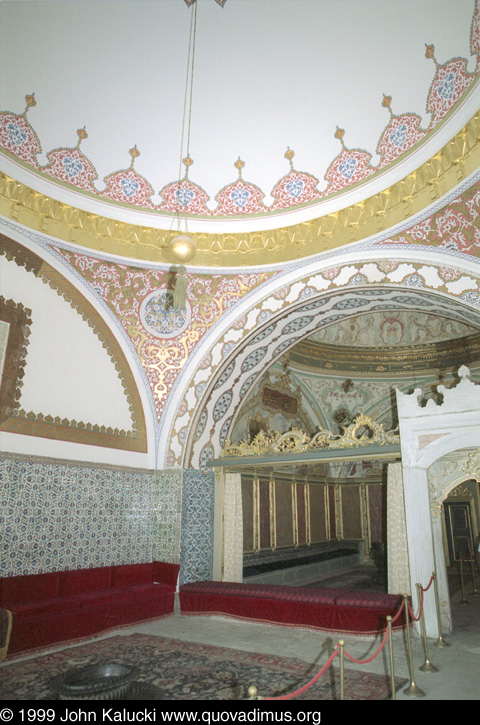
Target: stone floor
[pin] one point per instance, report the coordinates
(458, 676)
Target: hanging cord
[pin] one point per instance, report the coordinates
(187, 101)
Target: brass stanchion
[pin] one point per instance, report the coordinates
(341, 644)
(427, 665)
(413, 690)
(392, 663)
(472, 566)
(253, 693)
(440, 641)
(462, 600)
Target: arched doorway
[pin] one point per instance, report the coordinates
(455, 509)
(429, 433)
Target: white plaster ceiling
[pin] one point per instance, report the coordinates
(269, 75)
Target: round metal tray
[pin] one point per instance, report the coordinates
(96, 682)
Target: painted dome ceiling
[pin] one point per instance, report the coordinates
(298, 107)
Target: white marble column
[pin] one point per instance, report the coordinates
(420, 542)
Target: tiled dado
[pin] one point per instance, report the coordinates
(58, 515)
(196, 561)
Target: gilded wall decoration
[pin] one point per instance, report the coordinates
(402, 361)
(454, 228)
(163, 338)
(47, 426)
(361, 221)
(362, 432)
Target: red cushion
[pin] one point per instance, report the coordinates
(262, 591)
(368, 600)
(29, 588)
(128, 575)
(82, 581)
(165, 573)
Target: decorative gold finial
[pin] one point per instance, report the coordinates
(289, 154)
(386, 103)
(30, 100)
(340, 133)
(187, 162)
(134, 153)
(430, 52)
(239, 165)
(82, 134)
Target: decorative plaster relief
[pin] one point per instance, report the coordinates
(448, 472)
(463, 397)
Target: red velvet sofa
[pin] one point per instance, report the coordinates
(64, 606)
(335, 610)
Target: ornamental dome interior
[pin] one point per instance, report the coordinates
(309, 148)
(233, 118)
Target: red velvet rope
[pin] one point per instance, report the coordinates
(394, 619)
(429, 584)
(364, 662)
(416, 619)
(301, 690)
(309, 684)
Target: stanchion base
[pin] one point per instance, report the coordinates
(441, 643)
(414, 691)
(464, 601)
(428, 667)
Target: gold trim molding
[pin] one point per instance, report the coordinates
(47, 426)
(362, 432)
(459, 158)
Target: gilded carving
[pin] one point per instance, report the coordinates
(362, 432)
(472, 466)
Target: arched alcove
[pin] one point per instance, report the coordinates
(428, 433)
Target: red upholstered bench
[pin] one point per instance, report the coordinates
(326, 609)
(59, 607)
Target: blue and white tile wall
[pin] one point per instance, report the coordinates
(196, 545)
(58, 515)
(167, 511)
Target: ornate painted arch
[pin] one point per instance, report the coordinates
(259, 335)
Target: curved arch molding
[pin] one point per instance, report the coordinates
(213, 392)
(457, 160)
(45, 426)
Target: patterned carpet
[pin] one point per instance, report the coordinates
(175, 670)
